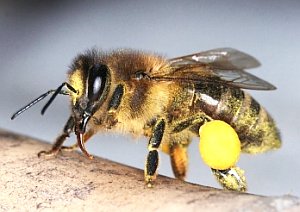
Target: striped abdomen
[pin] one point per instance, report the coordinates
(255, 127)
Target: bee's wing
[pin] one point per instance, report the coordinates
(221, 66)
(222, 58)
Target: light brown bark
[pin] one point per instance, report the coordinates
(72, 182)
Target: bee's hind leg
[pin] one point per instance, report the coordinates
(231, 179)
(180, 140)
(69, 127)
(177, 149)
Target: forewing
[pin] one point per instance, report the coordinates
(222, 66)
(203, 73)
(241, 79)
(221, 58)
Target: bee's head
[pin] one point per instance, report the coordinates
(92, 86)
(91, 80)
(88, 86)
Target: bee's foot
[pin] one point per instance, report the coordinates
(149, 184)
(69, 148)
(231, 179)
(149, 181)
(48, 154)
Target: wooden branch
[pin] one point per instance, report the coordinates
(72, 182)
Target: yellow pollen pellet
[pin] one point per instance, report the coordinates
(219, 145)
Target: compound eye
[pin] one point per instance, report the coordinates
(96, 81)
(97, 85)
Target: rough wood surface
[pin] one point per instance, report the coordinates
(71, 182)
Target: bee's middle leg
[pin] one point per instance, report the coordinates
(153, 157)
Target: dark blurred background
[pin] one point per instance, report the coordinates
(39, 39)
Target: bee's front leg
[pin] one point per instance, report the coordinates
(69, 128)
(75, 146)
(153, 157)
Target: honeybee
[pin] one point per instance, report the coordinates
(166, 100)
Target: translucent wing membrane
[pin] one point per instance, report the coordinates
(242, 79)
(223, 58)
(234, 78)
(222, 66)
